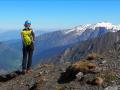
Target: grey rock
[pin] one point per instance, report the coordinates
(103, 62)
(112, 88)
(79, 75)
(96, 70)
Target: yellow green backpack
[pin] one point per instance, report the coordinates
(27, 37)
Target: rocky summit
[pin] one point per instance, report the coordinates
(94, 72)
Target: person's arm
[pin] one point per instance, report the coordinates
(33, 35)
(22, 38)
(21, 35)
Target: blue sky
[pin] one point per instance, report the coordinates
(57, 14)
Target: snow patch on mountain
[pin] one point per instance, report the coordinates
(80, 29)
(107, 25)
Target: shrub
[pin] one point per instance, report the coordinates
(92, 56)
(98, 81)
(83, 66)
(108, 76)
(59, 87)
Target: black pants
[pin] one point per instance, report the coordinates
(27, 57)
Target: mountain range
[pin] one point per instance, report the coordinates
(88, 65)
(53, 44)
(67, 38)
(106, 44)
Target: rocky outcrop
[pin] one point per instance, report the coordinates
(83, 74)
(107, 44)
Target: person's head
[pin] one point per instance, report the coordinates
(27, 24)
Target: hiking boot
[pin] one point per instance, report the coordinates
(24, 71)
(29, 70)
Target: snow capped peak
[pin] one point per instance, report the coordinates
(81, 28)
(107, 25)
(104, 24)
(78, 29)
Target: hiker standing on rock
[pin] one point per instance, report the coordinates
(28, 38)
